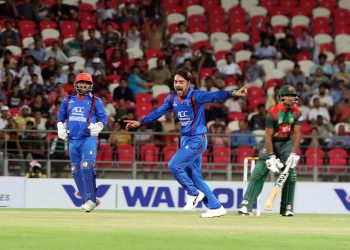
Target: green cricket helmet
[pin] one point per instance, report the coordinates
(287, 90)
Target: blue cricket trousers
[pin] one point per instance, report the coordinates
(186, 167)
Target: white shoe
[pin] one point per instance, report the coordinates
(89, 206)
(244, 211)
(288, 213)
(214, 213)
(192, 201)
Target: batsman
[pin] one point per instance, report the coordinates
(282, 136)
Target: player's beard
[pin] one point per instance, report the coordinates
(180, 92)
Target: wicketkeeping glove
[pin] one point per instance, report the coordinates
(274, 164)
(293, 160)
(62, 130)
(95, 128)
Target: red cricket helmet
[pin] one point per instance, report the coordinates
(83, 78)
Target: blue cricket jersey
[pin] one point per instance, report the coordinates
(76, 115)
(190, 111)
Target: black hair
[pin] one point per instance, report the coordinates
(185, 74)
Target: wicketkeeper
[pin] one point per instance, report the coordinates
(81, 118)
(282, 136)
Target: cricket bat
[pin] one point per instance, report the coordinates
(277, 188)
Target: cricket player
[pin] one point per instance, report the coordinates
(81, 118)
(186, 164)
(282, 136)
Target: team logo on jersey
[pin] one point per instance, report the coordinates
(188, 103)
(174, 104)
(280, 120)
(78, 109)
(84, 164)
(291, 120)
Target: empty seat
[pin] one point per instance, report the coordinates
(126, 156)
(338, 160)
(149, 154)
(221, 157)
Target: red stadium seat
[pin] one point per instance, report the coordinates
(230, 81)
(152, 53)
(236, 116)
(161, 98)
(186, 3)
(255, 102)
(338, 159)
(27, 28)
(196, 19)
(172, 28)
(273, 83)
(168, 153)
(126, 156)
(221, 157)
(255, 92)
(241, 153)
(115, 25)
(85, 7)
(104, 153)
(47, 24)
(113, 78)
(305, 128)
(329, 4)
(149, 153)
(221, 54)
(141, 98)
(205, 160)
(173, 8)
(314, 159)
(204, 72)
(68, 28)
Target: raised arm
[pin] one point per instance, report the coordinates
(217, 96)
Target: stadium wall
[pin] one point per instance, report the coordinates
(18, 192)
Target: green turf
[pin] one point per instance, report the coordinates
(34, 229)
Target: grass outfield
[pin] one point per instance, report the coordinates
(50, 229)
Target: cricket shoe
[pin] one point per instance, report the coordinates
(244, 211)
(211, 213)
(192, 201)
(89, 206)
(288, 213)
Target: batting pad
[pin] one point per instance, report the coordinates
(89, 179)
(76, 173)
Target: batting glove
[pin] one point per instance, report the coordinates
(272, 164)
(62, 130)
(95, 128)
(293, 160)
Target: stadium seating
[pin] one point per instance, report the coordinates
(149, 154)
(126, 156)
(221, 157)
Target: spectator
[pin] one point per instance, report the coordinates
(230, 68)
(305, 42)
(8, 82)
(338, 60)
(111, 37)
(96, 69)
(136, 83)
(317, 109)
(76, 46)
(322, 63)
(27, 79)
(133, 37)
(69, 86)
(243, 136)
(218, 122)
(50, 69)
(168, 124)
(181, 36)
(57, 92)
(117, 64)
(268, 34)
(57, 53)
(38, 51)
(304, 109)
(31, 143)
(342, 138)
(154, 35)
(7, 70)
(234, 104)
(108, 13)
(29, 63)
(122, 92)
(303, 91)
(35, 170)
(110, 110)
(60, 76)
(343, 112)
(34, 88)
(40, 122)
(339, 91)
(317, 79)
(9, 36)
(26, 10)
(5, 115)
(14, 149)
(119, 136)
(288, 48)
(218, 81)
(58, 151)
(122, 110)
(127, 12)
(253, 71)
(8, 9)
(342, 74)
(257, 121)
(313, 140)
(295, 76)
(39, 104)
(204, 59)
(325, 128)
(24, 117)
(266, 50)
(160, 74)
(15, 97)
(180, 56)
(71, 67)
(61, 11)
(93, 44)
(219, 139)
(324, 96)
